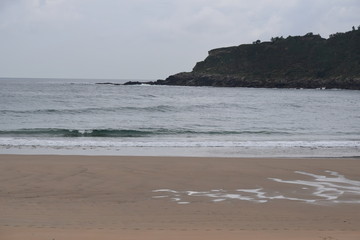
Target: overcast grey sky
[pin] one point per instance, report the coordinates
(148, 39)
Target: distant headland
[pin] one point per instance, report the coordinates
(308, 61)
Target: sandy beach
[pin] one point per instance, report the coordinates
(46, 197)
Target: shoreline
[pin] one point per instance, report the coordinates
(61, 154)
(232, 152)
(127, 197)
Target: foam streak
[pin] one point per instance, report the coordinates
(322, 188)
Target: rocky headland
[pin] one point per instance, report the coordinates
(308, 61)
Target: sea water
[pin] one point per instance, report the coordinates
(78, 116)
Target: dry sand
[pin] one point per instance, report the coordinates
(93, 197)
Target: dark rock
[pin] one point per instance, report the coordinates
(141, 83)
(133, 83)
(108, 83)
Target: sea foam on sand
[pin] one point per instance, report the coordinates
(322, 190)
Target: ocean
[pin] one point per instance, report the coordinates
(78, 116)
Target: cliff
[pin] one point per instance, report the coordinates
(308, 61)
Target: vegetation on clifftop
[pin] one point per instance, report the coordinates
(308, 61)
(293, 57)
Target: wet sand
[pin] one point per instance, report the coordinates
(94, 197)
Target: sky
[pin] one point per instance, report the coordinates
(148, 39)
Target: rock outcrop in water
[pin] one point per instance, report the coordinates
(308, 61)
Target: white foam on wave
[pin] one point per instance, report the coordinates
(323, 189)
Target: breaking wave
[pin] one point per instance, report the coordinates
(121, 133)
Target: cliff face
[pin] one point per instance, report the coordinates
(295, 62)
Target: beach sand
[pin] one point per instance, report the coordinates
(93, 197)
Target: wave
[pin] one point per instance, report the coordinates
(119, 109)
(122, 133)
(159, 108)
